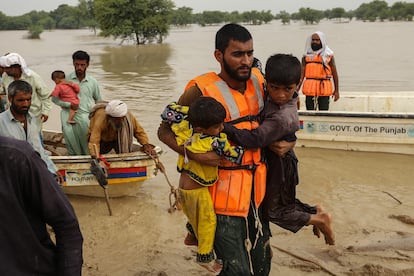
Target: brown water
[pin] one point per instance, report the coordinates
(354, 186)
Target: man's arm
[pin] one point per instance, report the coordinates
(335, 93)
(95, 130)
(47, 197)
(302, 73)
(141, 136)
(269, 131)
(259, 139)
(43, 93)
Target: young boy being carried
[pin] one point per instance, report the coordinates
(67, 92)
(198, 128)
(280, 122)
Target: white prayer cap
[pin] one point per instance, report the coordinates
(116, 108)
(15, 58)
(3, 62)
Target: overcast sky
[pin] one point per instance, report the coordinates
(19, 7)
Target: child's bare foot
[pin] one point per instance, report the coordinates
(72, 122)
(214, 267)
(326, 228)
(190, 240)
(316, 231)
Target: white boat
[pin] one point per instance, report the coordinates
(126, 173)
(376, 122)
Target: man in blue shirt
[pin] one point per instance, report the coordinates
(17, 122)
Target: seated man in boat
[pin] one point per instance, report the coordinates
(112, 126)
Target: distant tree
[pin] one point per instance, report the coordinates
(181, 16)
(66, 17)
(141, 20)
(310, 16)
(86, 14)
(266, 16)
(284, 17)
(372, 11)
(234, 17)
(41, 19)
(212, 17)
(21, 22)
(3, 21)
(337, 13)
(252, 17)
(35, 31)
(47, 23)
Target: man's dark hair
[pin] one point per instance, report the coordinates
(81, 55)
(206, 112)
(231, 32)
(283, 69)
(58, 74)
(19, 86)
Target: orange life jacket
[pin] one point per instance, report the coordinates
(232, 192)
(317, 77)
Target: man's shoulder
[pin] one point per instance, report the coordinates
(6, 115)
(100, 112)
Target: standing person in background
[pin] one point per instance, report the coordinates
(318, 70)
(16, 69)
(242, 236)
(30, 200)
(76, 134)
(67, 92)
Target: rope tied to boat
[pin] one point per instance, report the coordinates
(174, 196)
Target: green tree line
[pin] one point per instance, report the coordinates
(146, 21)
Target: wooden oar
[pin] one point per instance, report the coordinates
(101, 176)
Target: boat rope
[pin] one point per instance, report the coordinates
(174, 196)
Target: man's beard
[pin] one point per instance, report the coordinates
(233, 73)
(19, 110)
(80, 73)
(316, 46)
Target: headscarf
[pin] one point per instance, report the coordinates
(116, 108)
(325, 51)
(14, 58)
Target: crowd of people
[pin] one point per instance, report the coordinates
(233, 131)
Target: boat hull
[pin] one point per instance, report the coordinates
(126, 173)
(366, 131)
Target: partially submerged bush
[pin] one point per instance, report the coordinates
(34, 32)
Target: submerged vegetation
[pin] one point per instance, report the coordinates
(147, 21)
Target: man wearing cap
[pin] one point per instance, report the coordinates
(112, 126)
(16, 69)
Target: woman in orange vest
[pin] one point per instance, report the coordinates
(318, 70)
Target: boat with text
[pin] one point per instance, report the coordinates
(371, 121)
(126, 172)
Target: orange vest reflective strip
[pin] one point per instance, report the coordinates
(231, 194)
(317, 77)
